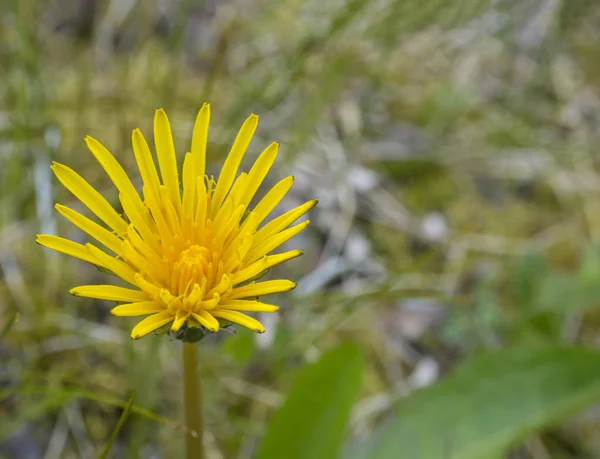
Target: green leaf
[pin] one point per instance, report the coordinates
(488, 404)
(312, 421)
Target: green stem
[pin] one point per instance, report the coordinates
(192, 402)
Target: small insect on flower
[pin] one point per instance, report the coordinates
(192, 253)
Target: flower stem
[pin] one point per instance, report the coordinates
(192, 402)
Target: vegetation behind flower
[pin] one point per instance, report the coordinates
(453, 146)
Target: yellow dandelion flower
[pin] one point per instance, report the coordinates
(192, 252)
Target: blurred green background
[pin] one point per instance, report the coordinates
(454, 148)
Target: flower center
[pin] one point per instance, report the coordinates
(194, 255)
(194, 267)
(197, 281)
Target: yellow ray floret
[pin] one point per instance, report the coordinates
(190, 247)
(67, 247)
(110, 292)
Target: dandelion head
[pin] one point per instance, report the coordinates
(190, 246)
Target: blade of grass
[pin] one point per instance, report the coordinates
(94, 396)
(120, 423)
(7, 325)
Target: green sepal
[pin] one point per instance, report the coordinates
(164, 329)
(189, 334)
